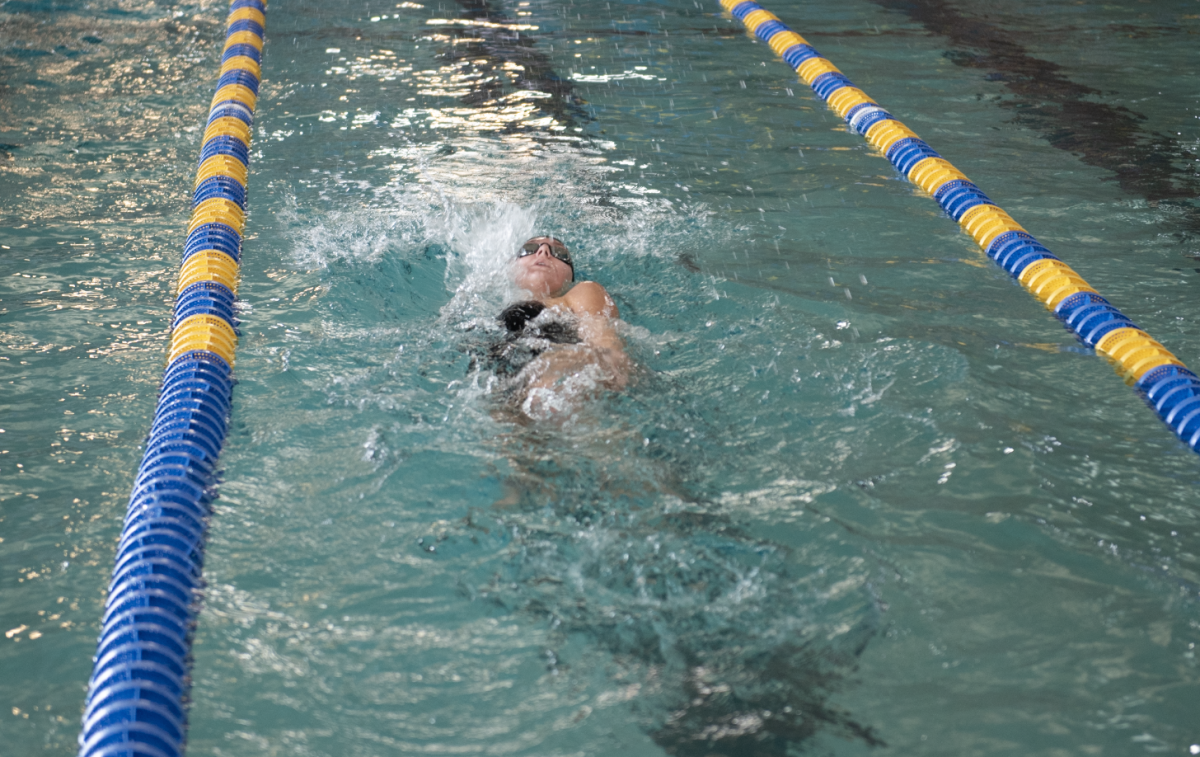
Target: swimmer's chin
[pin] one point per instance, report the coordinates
(540, 284)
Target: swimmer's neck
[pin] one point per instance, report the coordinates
(551, 300)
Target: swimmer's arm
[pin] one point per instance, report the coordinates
(597, 312)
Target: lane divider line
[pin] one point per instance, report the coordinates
(136, 701)
(1159, 377)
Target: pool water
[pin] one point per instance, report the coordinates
(864, 494)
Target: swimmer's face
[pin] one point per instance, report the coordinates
(541, 272)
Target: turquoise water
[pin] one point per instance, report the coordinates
(865, 490)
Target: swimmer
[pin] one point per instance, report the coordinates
(561, 344)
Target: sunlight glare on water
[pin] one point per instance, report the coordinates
(861, 491)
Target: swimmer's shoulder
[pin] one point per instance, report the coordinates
(591, 298)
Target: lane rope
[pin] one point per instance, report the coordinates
(1159, 377)
(141, 672)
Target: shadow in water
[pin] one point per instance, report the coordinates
(733, 643)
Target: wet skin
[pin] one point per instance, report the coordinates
(548, 280)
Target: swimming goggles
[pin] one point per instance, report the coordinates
(557, 249)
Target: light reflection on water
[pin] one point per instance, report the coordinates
(861, 476)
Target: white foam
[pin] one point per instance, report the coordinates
(360, 234)
(480, 241)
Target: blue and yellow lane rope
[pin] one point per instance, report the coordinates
(1168, 387)
(140, 676)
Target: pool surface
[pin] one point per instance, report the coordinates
(865, 495)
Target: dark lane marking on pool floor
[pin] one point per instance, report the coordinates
(1101, 135)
